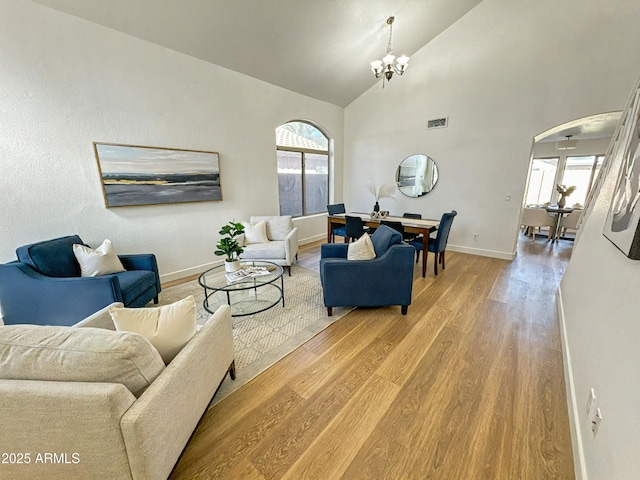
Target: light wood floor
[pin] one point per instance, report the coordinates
(469, 385)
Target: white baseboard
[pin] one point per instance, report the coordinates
(579, 464)
(187, 272)
(315, 238)
(482, 252)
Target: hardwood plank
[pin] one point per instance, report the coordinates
(338, 356)
(491, 440)
(302, 426)
(218, 455)
(403, 361)
(225, 415)
(410, 406)
(326, 458)
(244, 470)
(451, 412)
(385, 459)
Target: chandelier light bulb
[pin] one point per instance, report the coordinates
(376, 67)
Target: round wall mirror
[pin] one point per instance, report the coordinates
(416, 175)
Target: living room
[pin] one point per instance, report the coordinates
(502, 73)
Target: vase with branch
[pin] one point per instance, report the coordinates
(564, 192)
(384, 191)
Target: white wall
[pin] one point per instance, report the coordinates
(600, 305)
(65, 83)
(505, 72)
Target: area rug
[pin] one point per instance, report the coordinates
(262, 339)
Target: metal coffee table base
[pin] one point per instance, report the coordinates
(269, 304)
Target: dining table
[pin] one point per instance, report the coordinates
(411, 225)
(558, 213)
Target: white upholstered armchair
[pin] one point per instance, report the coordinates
(270, 238)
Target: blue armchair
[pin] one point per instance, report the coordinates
(382, 281)
(44, 285)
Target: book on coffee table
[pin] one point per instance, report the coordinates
(246, 273)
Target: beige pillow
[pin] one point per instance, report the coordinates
(255, 233)
(361, 249)
(101, 261)
(168, 328)
(63, 354)
(278, 227)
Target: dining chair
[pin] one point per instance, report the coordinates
(397, 226)
(408, 236)
(354, 227)
(571, 222)
(437, 245)
(340, 230)
(533, 218)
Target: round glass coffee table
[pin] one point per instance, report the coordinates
(247, 296)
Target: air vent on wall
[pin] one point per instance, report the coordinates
(438, 123)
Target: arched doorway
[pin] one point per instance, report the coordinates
(567, 156)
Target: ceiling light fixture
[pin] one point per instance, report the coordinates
(567, 144)
(389, 64)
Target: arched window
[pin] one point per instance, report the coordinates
(303, 169)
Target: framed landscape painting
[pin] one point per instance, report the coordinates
(137, 175)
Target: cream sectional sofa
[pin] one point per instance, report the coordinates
(94, 403)
(282, 247)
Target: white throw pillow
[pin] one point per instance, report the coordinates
(278, 227)
(255, 233)
(101, 261)
(361, 249)
(168, 328)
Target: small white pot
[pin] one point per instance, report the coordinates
(232, 266)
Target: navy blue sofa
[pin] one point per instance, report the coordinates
(44, 285)
(382, 281)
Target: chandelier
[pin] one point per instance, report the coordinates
(389, 64)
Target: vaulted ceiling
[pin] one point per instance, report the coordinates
(319, 48)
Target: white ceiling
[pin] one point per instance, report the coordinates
(602, 125)
(319, 48)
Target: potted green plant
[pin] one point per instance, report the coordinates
(228, 245)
